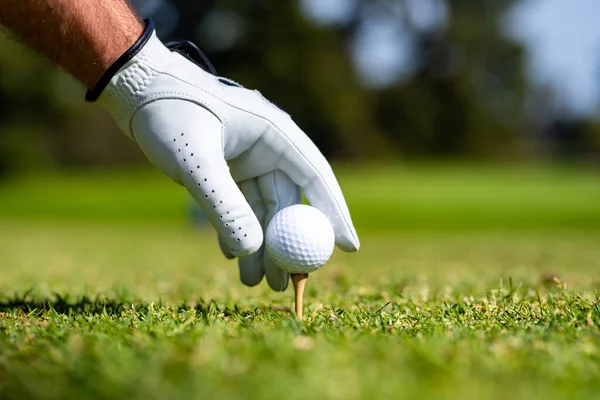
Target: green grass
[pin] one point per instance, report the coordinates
(382, 199)
(102, 299)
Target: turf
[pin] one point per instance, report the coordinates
(103, 304)
(383, 199)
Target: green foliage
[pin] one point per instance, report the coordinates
(465, 95)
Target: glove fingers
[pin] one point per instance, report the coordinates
(184, 140)
(225, 249)
(251, 266)
(278, 191)
(307, 167)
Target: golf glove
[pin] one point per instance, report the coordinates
(239, 156)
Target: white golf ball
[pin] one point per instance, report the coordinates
(300, 239)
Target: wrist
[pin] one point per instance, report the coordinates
(116, 60)
(110, 52)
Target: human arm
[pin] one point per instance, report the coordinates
(84, 37)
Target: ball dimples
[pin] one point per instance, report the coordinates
(300, 239)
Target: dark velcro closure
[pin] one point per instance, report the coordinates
(190, 51)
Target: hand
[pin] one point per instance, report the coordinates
(239, 156)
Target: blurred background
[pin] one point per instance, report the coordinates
(512, 83)
(465, 135)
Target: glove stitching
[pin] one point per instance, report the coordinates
(183, 164)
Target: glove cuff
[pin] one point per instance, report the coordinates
(93, 94)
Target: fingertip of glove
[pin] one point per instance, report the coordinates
(225, 249)
(278, 281)
(246, 247)
(251, 271)
(278, 287)
(349, 245)
(277, 278)
(250, 280)
(242, 235)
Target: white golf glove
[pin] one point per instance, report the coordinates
(239, 156)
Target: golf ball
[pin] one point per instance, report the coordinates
(300, 239)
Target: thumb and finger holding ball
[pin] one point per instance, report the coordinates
(180, 95)
(299, 240)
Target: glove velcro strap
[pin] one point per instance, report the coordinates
(190, 51)
(94, 94)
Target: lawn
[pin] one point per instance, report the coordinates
(471, 283)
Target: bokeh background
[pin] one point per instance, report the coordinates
(393, 93)
(466, 137)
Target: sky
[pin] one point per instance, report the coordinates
(562, 38)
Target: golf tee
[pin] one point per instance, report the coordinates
(299, 281)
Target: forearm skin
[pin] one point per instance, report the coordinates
(84, 37)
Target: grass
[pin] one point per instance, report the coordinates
(98, 303)
(383, 199)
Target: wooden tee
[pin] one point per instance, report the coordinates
(299, 281)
